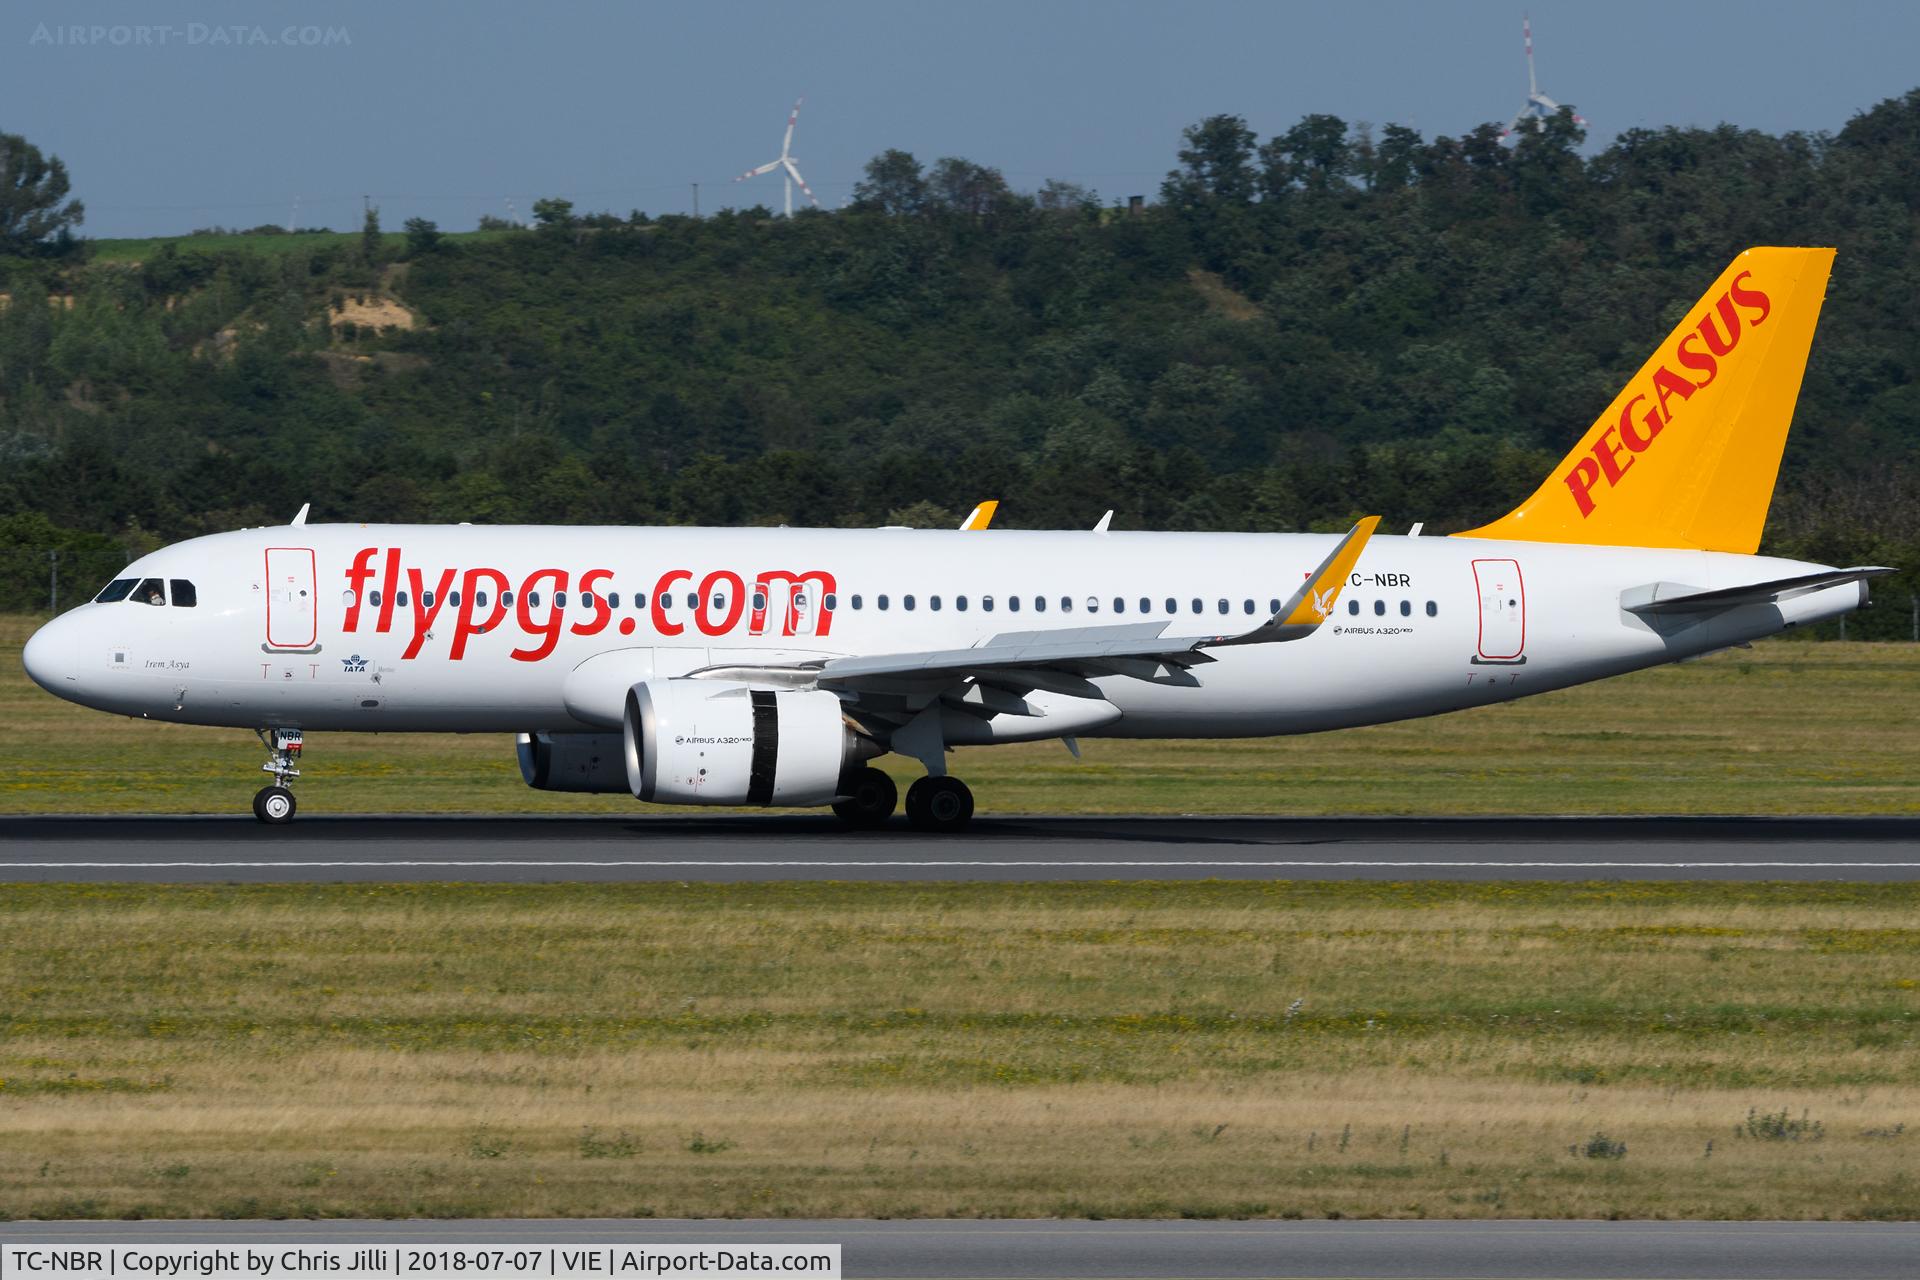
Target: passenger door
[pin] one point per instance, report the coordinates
(292, 620)
(1503, 611)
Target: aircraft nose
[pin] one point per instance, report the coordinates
(48, 659)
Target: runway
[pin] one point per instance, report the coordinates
(806, 847)
(989, 1250)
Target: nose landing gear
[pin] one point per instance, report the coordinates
(274, 804)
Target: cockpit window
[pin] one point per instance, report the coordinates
(115, 591)
(184, 596)
(149, 592)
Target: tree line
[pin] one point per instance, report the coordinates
(1330, 321)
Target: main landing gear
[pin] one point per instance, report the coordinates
(933, 804)
(274, 804)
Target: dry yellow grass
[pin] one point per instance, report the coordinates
(960, 1050)
(1785, 728)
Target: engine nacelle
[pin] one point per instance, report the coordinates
(573, 761)
(711, 742)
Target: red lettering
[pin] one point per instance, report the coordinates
(736, 601)
(1700, 360)
(424, 614)
(659, 605)
(548, 631)
(1668, 383)
(1728, 317)
(602, 611)
(1631, 434)
(1608, 452)
(465, 626)
(1751, 298)
(1580, 482)
(357, 587)
(796, 583)
(389, 588)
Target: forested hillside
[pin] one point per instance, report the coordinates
(1295, 331)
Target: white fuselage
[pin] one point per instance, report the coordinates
(356, 627)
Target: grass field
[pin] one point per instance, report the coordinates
(1783, 728)
(813, 1049)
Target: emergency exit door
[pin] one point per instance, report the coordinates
(292, 622)
(1503, 611)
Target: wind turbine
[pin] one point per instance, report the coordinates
(786, 162)
(1539, 106)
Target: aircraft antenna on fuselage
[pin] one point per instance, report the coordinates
(301, 518)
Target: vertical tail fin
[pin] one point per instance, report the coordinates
(1687, 454)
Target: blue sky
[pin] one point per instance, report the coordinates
(450, 111)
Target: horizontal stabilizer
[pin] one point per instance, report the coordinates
(1672, 597)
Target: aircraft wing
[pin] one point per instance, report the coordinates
(1672, 597)
(1140, 649)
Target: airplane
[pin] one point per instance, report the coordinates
(766, 667)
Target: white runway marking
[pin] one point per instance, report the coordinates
(711, 864)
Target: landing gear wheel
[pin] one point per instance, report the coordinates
(870, 799)
(939, 804)
(273, 806)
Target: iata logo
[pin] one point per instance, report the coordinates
(1713, 339)
(484, 599)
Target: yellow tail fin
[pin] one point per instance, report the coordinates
(1687, 455)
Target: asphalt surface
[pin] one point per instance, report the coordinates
(807, 847)
(1086, 1250)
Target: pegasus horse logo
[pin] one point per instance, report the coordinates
(1323, 601)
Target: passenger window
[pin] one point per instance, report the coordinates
(346, 597)
(986, 604)
(613, 600)
(116, 591)
(506, 599)
(906, 602)
(960, 603)
(1379, 608)
(719, 603)
(759, 601)
(1224, 606)
(1197, 606)
(373, 598)
(426, 599)
(560, 599)
(831, 601)
(693, 599)
(1248, 607)
(149, 592)
(453, 598)
(586, 600)
(533, 599)
(184, 596)
(1353, 608)
(1093, 604)
(1273, 607)
(933, 603)
(479, 599)
(1433, 610)
(1406, 608)
(1119, 605)
(400, 598)
(1146, 605)
(1013, 604)
(1039, 604)
(881, 600)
